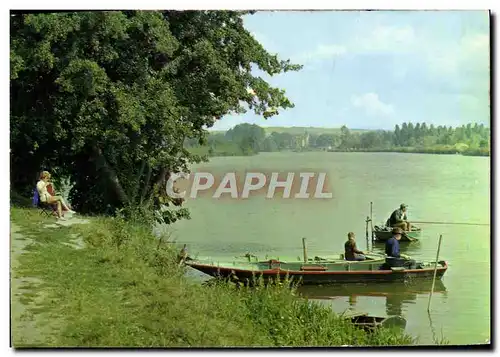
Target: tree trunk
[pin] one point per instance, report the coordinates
(146, 183)
(138, 182)
(162, 179)
(110, 175)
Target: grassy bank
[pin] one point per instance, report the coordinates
(125, 288)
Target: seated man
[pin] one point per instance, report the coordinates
(399, 218)
(46, 197)
(394, 257)
(351, 251)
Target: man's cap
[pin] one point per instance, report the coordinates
(403, 206)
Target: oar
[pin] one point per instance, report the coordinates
(452, 223)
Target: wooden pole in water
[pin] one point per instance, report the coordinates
(435, 272)
(371, 217)
(305, 249)
(367, 241)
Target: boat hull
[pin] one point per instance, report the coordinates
(322, 277)
(371, 323)
(383, 235)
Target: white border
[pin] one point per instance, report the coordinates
(185, 4)
(260, 5)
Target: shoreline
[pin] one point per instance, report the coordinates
(357, 151)
(124, 288)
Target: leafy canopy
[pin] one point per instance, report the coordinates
(109, 97)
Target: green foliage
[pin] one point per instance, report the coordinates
(108, 98)
(249, 137)
(242, 140)
(126, 289)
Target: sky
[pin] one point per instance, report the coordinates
(376, 69)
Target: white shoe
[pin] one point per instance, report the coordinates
(71, 211)
(62, 219)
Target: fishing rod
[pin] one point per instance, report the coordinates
(452, 223)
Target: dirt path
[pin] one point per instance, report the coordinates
(25, 330)
(30, 329)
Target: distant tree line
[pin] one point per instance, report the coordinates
(248, 139)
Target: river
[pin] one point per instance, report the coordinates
(451, 188)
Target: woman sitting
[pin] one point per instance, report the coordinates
(45, 197)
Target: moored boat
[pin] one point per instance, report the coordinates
(383, 233)
(318, 271)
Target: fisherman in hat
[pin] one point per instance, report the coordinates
(399, 219)
(394, 257)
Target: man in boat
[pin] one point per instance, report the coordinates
(351, 250)
(399, 219)
(394, 257)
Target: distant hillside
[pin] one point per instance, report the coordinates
(297, 130)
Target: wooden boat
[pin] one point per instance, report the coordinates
(383, 233)
(317, 271)
(371, 323)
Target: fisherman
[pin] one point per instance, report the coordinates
(351, 251)
(399, 218)
(394, 257)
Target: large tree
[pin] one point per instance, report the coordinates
(248, 136)
(109, 97)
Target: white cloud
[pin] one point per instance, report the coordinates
(327, 51)
(471, 54)
(440, 56)
(372, 105)
(321, 52)
(389, 39)
(393, 39)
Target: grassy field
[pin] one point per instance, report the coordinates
(112, 283)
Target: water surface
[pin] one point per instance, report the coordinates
(449, 188)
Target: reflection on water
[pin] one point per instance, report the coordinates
(397, 296)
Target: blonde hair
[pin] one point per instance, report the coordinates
(44, 174)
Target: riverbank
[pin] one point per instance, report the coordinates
(111, 283)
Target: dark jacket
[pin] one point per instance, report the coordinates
(397, 216)
(350, 249)
(392, 248)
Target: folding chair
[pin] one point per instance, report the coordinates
(44, 207)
